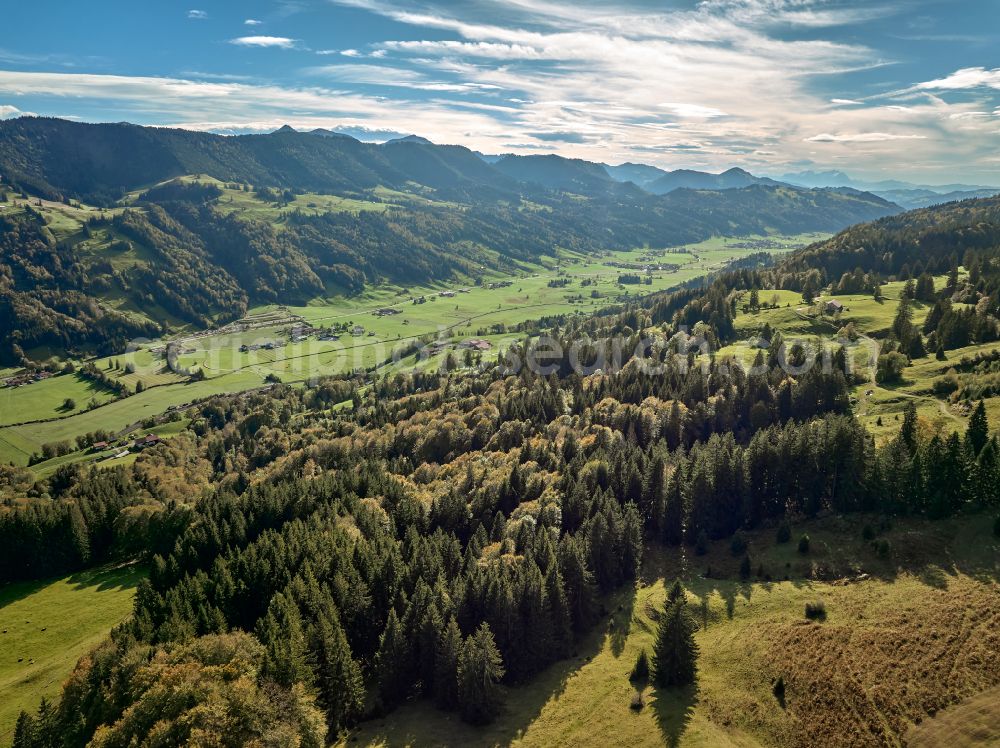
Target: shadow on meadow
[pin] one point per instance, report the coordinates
(419, 723)
(123, 576)
(673, 709)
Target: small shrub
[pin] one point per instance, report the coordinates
(637, 702)
(784, 532)
(804, 545)
(738, 545)
(779, 690)
(640, 672)
(816, 611)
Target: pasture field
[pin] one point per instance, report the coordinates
(17, 443)
(49, 625)
(875, 667)
(591, 283)
(45, 399)
(878, 406)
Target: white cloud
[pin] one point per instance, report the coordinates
(694, 111)
(282, 42)
(252, 22)
(861, 137)
(10, 112)
(964, 79)
(197, 15)
(742, 80)
(384, 75)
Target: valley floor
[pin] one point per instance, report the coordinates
(910, 633)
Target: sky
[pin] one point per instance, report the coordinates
(893, 89)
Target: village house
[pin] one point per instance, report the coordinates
(833, 307)
(476, 344)
(148, 440)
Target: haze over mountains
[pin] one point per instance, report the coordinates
(559, 172)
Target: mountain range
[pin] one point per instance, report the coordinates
(905, 194)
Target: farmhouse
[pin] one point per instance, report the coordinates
(357, 331)
(447, 294)
(476, 344)
(148, 440)
(386, 311)
(833, 306)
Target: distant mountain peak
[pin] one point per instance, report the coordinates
(323, 132)
(410, 139)
(286, 128)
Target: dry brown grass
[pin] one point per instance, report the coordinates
(880, 665)
(972, 723)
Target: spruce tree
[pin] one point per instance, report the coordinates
(446, 665)
(978, 432)
(24, 731)
(284, 640)
(562, 619)
(480, 668)
(392, 662)
(338, 675)
(672, 526)
(579, 583)
(640, 671)
(631, 541)
(675, 653)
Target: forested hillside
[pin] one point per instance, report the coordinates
(444, 535)
(414, 213)
(440, 536)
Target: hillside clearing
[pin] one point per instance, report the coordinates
(49, 625)
(906, 637)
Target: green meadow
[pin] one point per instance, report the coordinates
(18, 443)
(47, 626)
(879, 406)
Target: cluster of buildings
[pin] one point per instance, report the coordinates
(268, 346)
(471, 344)
(123, 448)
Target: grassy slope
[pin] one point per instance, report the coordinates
(45, 399)
(973, 722)
(870, 318)
(913, 636)
(76, 611)
(18, 442)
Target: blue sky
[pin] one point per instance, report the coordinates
(906, 89)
